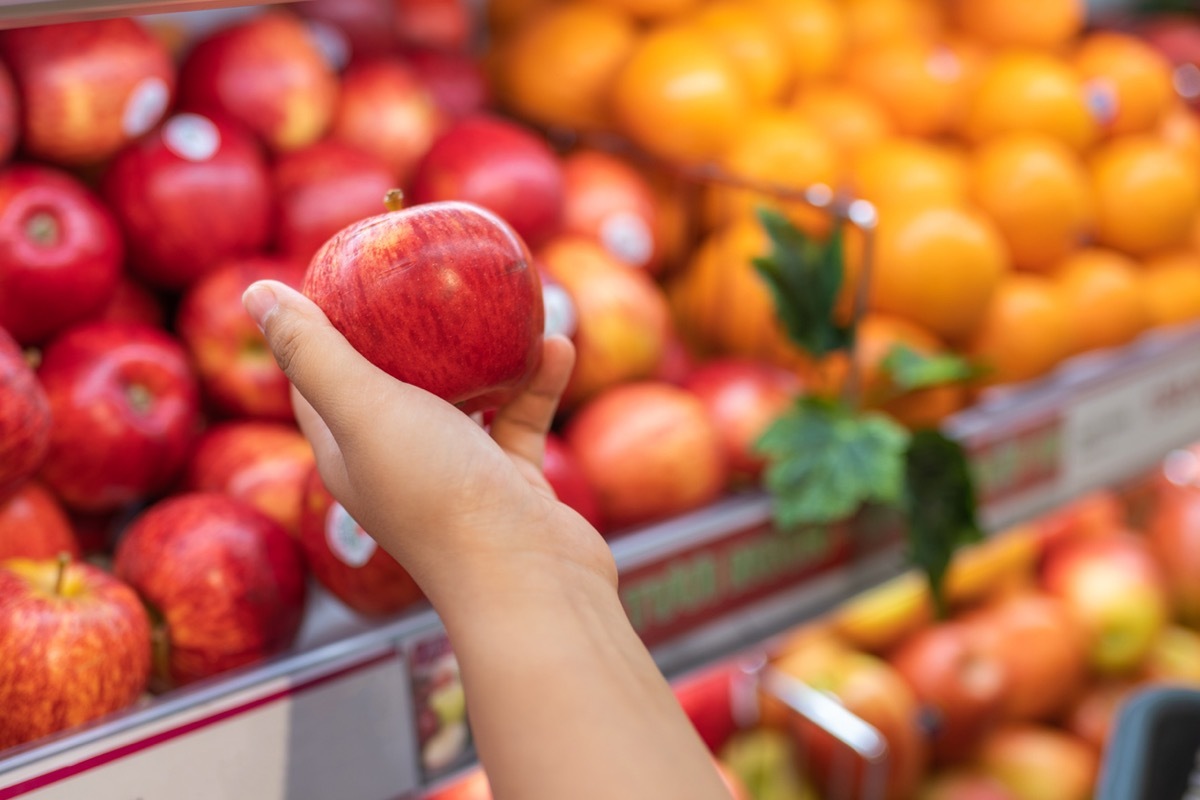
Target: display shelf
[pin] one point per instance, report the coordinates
(21, 13)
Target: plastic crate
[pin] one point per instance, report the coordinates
(1154, 753)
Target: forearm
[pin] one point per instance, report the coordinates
(563, 697)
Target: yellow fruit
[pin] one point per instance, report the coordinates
(1103, 295)
(1146, 194)
(1037, 191)
(1026, 330)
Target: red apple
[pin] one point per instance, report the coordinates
(87, 88)
(236, 369)
(1174, 658)
(743, 397)
(650, 450)
(474, 786)
(76, 645)
(1174, 532)
(268, 74)
(499, 165)
(226, 581)
(456, 81)
(462, 319)
(385, 110)
(608, 200)
(874, 692)
(62, 255)
(623, 321)
(34, 525)
(10, 115)
(708, 700)
(568, 481)
(958, 680)
(435, 24)
(677, 361)
(964, 783)
(158, 186)
(1097, 513)
(134, 302)
(1116, 590)
(125, 407)
(1040, 763)
(323, 188)
(25, 418)
(1095, 712)
(263, 464)
(368, 25)
(346, 560)
(1043, 649)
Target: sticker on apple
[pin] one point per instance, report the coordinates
(628, 237)
(192, 137)
(331, 42)
(349, 542)
(145, 107)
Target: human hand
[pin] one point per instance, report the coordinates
(437, 491)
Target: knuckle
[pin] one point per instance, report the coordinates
(287, 343)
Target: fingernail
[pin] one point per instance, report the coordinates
(259, 301)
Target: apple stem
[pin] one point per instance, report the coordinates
(42, 228)
(394, 200)
(63, 559)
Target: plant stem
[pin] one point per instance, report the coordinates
(63, 560)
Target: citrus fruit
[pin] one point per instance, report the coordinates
(1129, 80)
(1025, 332)
(1047, 24)
(814, 32)
(1171, 286)
(916, 82)
(679, 96)
(1102, 292)
(1030, 92)
(937, 267)
(1180, 128)
(908, 173)
(557, 68)
(1146, 194)
(849, 118)
(877, 336)
(871, 23)
(1037, 191)
(652, 9)
(505, 16)
(747, 35)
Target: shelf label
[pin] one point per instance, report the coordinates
(1022, 460)
(690, 588)
(443, 736)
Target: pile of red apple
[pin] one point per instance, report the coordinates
(160, 515)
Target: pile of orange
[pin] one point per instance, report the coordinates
(1036, 182)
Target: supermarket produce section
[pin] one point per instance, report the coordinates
(793, 243)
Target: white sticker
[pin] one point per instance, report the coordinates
(561, 317)
(349, 542)
(1101, 98)
(331, 42)
(145, 107)
(192, 137)
(628, 237)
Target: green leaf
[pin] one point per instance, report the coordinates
(805, 278)
(909, 370)
(940, 506)
(825, 462)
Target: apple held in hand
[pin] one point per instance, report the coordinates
(25, 417)
(347, 561)
(76, 645)
(443, 296)
(237, 372)
(226, 581)
(126, 409)
(264, 464)
(268, 74)
(87, 88)
(34, 525)
(188, 196)
(62, 256)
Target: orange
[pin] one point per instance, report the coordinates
(849, 118)
(777, 149)
(1034, 93)
(722, 305)
(1128, 79)
(909, 173)
(1047, 24)
(1147, 194)
(1103, 296)
(937, 267)
(505, 16)
(751, 41)
(1180, 128)
(917, 83)
(1171, 285)
(679, 96)
(557, 68)
(1025, 331)
(871, 23)
(877, 336)
(814, 32)
(652, 9)
(1037, 191)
